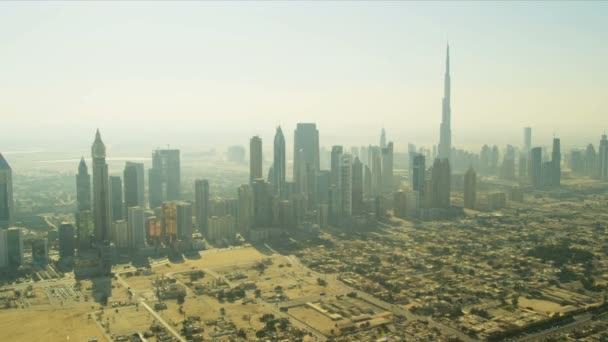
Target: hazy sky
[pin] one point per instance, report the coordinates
(218, 72)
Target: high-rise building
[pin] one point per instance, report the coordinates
(418, 173)
(255, 159)
(6, 194)
(527, 139)
(357, 188)
(470, 188)
(67, 240)
(245, 209)
(262, 204)
(116, 197)
(376, 161)
(168, 222)
(368, 182)
(603, 158)
(3, 248)
(279, 163)
(85, 223)
(445, 133)
(387, 168)
(306, 138)
(556, 162)
(323, 184)
(40, 251)
(164, 177)
(440, 180)
(201, 204)
(383, 138)
(101, 191)
(536, 160)
(133, 179)
(136, 220)
(14, 240)
(120, 233)
(184, 220)
(83, 187)
(236, 154)
(346, 185)
(336, 175)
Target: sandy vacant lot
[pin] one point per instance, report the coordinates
(48, 325)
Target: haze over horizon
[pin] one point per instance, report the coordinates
(213, 74)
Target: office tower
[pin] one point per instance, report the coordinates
(201, 204)
(357, 187)
(136, 221)
(279, 163)
(354, 151)
(556, 160)
(399, 203)
(470, 188)
(523, 166)
(412, 204)
(85, 229)
(83, 187)
(364, 155)
(184, 220)
(383, 138)
(164, 177)
(262, 204)
(14, 240)
(40, 251)
(485, 156)
(221, 228)
(255, 158)
(153, 229)
(301, 173)
(411, 153)
(306, 138)
(536, 159)
(120, 233)
(603, 158)
(440, 179)
(245, 209)
(368, 190)
(133, 179)
(590, 161)
(376, 161)
(168, 221)
(527, 139)
(445, 137)
(387, 168)
(116, 197)
(236, 154)
(67, 240)
(3, 248)
(418, 173)
(101, 191)
(336, 175)
(346, 185)
(6, 194)
(323, 184)
(494, 157)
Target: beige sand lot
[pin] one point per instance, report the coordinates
(48, 325)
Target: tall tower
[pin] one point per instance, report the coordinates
(201, 204)
(83, 187)
(445, 133)
(556, 163)
(6, 194)
(527, 139)
(383, 138)
(278, 165)
(387, 168)
(101, 190)
(306, 138)
(470, 188)
(133, 183)
(164, 177)
(116, 198)
(255, 159)
(603, 158)
(346, 185)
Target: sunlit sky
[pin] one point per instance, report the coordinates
(215, 73)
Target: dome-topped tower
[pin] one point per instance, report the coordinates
(98, 150)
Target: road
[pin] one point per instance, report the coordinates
(578, 321)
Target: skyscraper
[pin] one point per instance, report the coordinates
(445, 137)
(164, 177)
(101, 191)
(470, 188)
(383, 138)
(376, 163)
(387, 168)
(245, 209)
(306, 138)
(184, 220)
(201, 204)
(6, 194)
(133, 179)
(278, 164)
(346, 185)
(67, 240)
(357, 188)
(116, 197)
(440, 180)
(536, 159)
(603, 158)
(83, 187)
(136, 221)
(527, 139)
(418, 173)
(262, 204)
(14, 240)
(556, 162)
(336, 179)
(255, 158)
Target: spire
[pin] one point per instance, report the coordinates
(3, 163)
(82, 166)
(97, 136)
(98, 150)
(447, 59)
